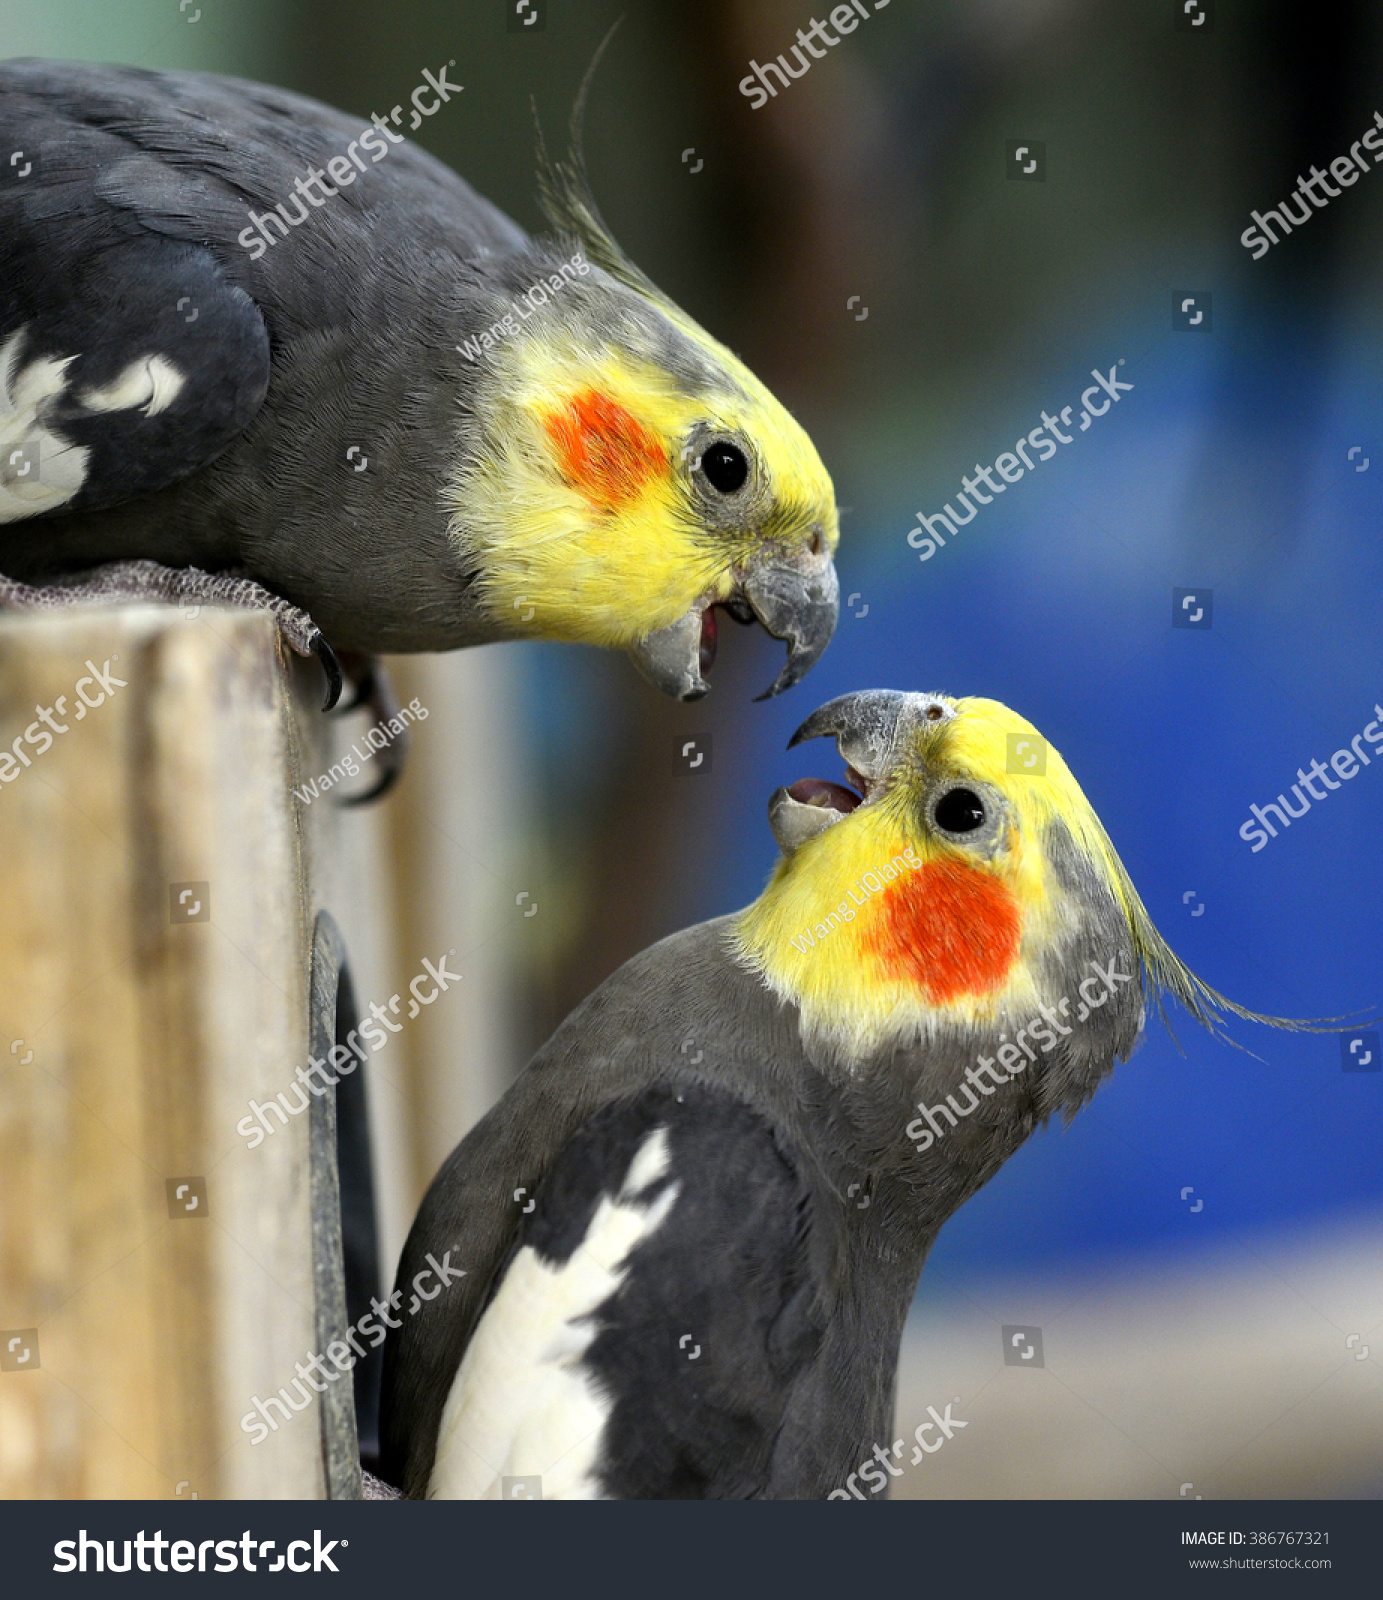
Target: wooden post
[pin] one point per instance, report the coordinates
(157, 1273)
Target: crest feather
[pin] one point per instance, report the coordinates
(1167, 974)
(564, 193)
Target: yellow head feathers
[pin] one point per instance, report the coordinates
(596, 508)
(630, 473)
(969, 885)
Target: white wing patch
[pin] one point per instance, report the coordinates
(151, 383)
(39, 469)
(520, 1405)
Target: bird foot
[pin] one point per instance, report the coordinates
(373, 690)
(185, 586)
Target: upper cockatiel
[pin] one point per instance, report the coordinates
(244, 333)
(673, 1288)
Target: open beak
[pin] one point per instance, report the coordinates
(796, 600)
(672, 658)
(865, 727)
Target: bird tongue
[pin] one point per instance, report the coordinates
(818, 792)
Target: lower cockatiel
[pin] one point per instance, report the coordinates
(673, 1289)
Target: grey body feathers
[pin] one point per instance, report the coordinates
(833, 1127)
(345, 333)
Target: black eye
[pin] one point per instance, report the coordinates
(725, 467)
(959, 811)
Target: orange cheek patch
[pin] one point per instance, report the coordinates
(948, 928)
(604, 451)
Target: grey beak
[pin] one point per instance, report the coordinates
(798, 603)
(793, 823)
(865, 726)
(671, 658)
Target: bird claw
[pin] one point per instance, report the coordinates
(364, 674)
(374, 691)
(150, 581)
(331, 665)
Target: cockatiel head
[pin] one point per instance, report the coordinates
(628, 474)
(962, 887)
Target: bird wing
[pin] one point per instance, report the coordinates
(644, 1337)
(127, 357)
(135, 331)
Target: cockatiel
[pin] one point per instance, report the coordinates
(244, 334)
(672, 1288)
